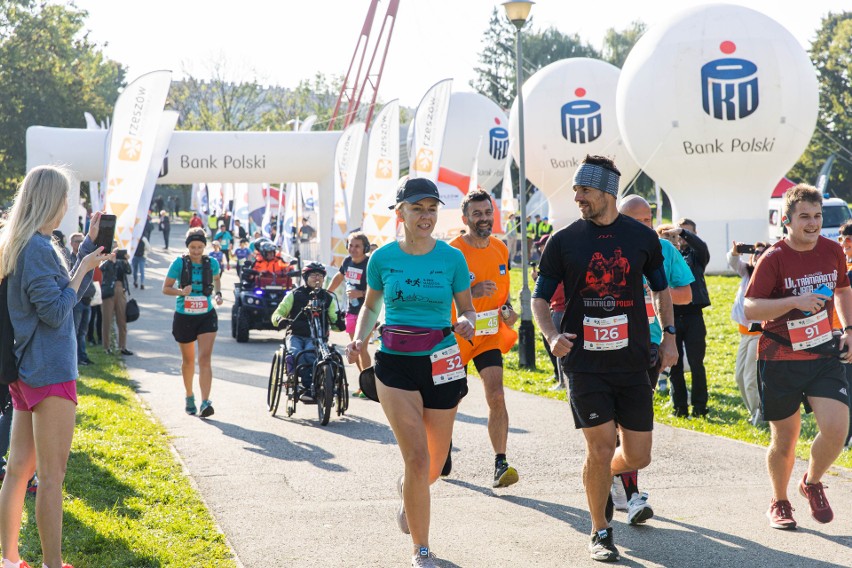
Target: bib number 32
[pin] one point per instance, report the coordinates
(447, 365)
(605, 334)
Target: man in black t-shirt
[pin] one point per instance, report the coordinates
(600, 259)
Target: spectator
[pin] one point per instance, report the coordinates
(177, 206)
(42, 295)
(512, 235)
(113, 288)
(83, 308)
(745, 370)
(140, 257)
(149, 227)
(165, 227)
(689, 321)
(170, 206)
(93, 335)
(543, 227)
(195, 221)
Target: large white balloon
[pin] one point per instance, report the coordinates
(717, 104)
(569, 111)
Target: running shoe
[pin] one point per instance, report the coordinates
(190, 405)
(638, 509)
(206, 408)
(448, 465)
(423, 559)
(504, 475)
(21, 564)
(401, 519)
(602, 548)
(618, 494)
(815, 494)
(780, 515)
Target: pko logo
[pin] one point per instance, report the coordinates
(729, 86)
(581, 119)
(498, 141)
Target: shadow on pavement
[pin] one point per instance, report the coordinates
(482, 421)
(278, 447)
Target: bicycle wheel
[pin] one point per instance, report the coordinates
(324, 385)
(290, 383)
(273, 376)
(342, 388)
(279, 385)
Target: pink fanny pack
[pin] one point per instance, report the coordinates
(410, 339)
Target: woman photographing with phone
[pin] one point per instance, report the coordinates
(420, 378)
(41, 298)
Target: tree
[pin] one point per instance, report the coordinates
(496, 75)
(51, 74)
(831, 54)
(618, 44)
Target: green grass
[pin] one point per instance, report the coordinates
(127, 501)
(728, 416)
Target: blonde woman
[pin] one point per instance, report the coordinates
(42, 295)
(420, 379)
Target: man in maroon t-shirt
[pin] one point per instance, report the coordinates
(793, 291)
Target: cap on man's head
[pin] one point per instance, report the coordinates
(416, 189)
(538, 216)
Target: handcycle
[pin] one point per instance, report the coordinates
(329, 383)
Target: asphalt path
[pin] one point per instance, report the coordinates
(289, 492)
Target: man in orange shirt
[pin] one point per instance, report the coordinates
(488, 262)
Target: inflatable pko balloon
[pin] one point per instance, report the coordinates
(569, 111)
(717, 104)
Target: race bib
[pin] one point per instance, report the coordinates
(810, 332)
(649, 307)
(605, 334)
(447, 365)
(486, 322)
(195, 305)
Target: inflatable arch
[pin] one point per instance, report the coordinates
(194, 157)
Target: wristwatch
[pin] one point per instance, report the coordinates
(670, 329)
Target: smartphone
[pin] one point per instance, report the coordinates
(825, 291)
(106, 233)
(745, 249)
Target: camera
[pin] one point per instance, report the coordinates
(745, 249)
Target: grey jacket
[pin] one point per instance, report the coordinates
(40, 307)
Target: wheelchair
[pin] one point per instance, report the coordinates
(329, 386)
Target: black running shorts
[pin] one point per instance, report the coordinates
(187, 327)
(597, 398)
(785, 385)
(490, 358)
(414, 373)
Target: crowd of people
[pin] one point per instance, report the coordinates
(617, 302)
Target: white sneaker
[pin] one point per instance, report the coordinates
(424, 558)
(638, 509)
(619, 496)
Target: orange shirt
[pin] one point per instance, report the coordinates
(489, 263)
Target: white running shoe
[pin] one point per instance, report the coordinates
(619, 496)
(638, 509)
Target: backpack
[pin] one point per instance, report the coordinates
(206, 274)
(8, 362)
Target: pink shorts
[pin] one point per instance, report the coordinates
(351, 320)
(25, 397)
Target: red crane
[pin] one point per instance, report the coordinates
(352, 91)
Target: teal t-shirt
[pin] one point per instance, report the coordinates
(224, 238)
(677, 273)
(418, 289)
(196, 303)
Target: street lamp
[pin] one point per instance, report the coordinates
(518, 12)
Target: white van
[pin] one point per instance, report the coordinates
(835, 212)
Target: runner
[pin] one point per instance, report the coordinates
(195, 318)
(353, 271)
(420, 377)
(488, 261)
(792, 291)
(607, 370)
(625, 487)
